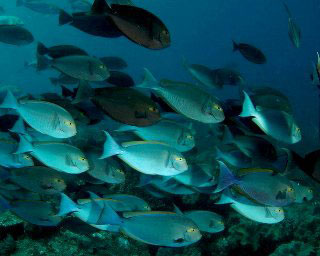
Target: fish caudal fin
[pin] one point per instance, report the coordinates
(226, 178)
(248, 108)
(235, 46)
(110, 147)
(19, 127)
(227, 136)
(84, 92)
(24, 145)
(67, 206)
(149, 81)
(224, 199)
(42, 62)
(9, 101)
(42, 49)
(64, 18)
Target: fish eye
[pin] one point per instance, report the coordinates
(220, 222)
(69, 123)
(58, 180)
(298, 129)
(217, 107)
(120, 171)
(153, 109)
(290, 189)
(189, 136)
(101, 66)
(26, 157)
(179, 159)
(310, 190)
(279, 210)
(82, 159)
(191, 230)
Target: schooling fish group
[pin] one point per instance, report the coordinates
(178, 137)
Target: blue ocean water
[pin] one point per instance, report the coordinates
(201, 32)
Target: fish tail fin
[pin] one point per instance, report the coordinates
(19, 3)
(248, 108)
(224, 199)
(54, 81)
(113, 217)
(145, 180)
(24, 145)
(126, 128)
(67, 92)
(67, 206)
(64, 18)
(84, 92)
(19, 127)
(42, 49)
(149, 81)
(227, 136)
(9, 101)
(110, 147)
(42, 62)
(226, 178)
(235, 46)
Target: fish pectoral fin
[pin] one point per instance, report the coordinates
(179, 240)
(268, 213)
(138, 114)
(281, 195)
(56, 121)
(69, 161)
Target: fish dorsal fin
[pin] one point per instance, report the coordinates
(100, 7)
(177, 210)
(128, 215)
(134, 143)
(245, 171)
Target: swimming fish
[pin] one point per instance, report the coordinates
(133, 202)
(44, 117)
(60, 51)
(81, 67)
(250, 52)
(166, 131)
(38, 179)
(149, 157)
(255, 212)
(186, 99)
(206, 221)
(15, 35)
(59, 156)
(39, 6)
(277, 124)
(159, 228)
(261, 185)
(107, 170)
(294, 30)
